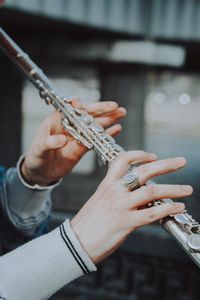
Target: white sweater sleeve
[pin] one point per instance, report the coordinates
(38, 269)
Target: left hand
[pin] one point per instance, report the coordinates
(113, 211)
(54, 152)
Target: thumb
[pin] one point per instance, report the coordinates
(54, 142)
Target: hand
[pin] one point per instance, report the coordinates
(113, 212)
(54, 153)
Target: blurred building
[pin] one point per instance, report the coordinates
(145, 54)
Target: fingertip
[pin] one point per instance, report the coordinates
(112, 105)
(153, 156)
(118, 127)
(180, 160)
(109, 104)
(187, 189)
(75, 102)
(114, 130)
(191, 190)
(123, 111)
(61, 140)
(178, 206)
(56, 141)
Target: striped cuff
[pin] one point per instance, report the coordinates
(43, 266)
(72, 243)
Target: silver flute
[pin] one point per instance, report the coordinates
(82, 127)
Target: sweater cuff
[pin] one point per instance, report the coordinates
(76, 249)
(43, 266)
(35, 186)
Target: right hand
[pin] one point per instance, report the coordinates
(54, 152)
(113, 212)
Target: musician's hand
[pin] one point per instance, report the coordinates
(54, 153)
(113, 212)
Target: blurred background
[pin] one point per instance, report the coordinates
(144, 54)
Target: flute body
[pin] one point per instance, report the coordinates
(82, 127)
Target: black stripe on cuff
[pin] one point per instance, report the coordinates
(73, 250)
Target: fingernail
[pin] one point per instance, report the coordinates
(123, 110)
(62, 140)
(188, 189)
(113, 105)
(179, 206)
(180, 160)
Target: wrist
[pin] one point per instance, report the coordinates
(31, 179)
(87, 240)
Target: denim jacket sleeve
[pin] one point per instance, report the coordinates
(26, 207)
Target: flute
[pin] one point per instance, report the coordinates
(82, 127)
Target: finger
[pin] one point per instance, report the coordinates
(155, 213)
(99, 108)
(159, 167)
(149, 193)
(114, 130)
(75, 102)
(119, 110)
(53, 142)
(124, 159)
(111, 118)
(51, 125)
(75, 151)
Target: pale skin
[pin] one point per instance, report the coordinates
(54, 153)
(113, 212)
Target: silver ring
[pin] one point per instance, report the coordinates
(131, 180)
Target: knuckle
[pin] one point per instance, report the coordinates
(151, 215)
(121, 156)
(151, 191)
(124, 158)
(168, 208)
(144, 169)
